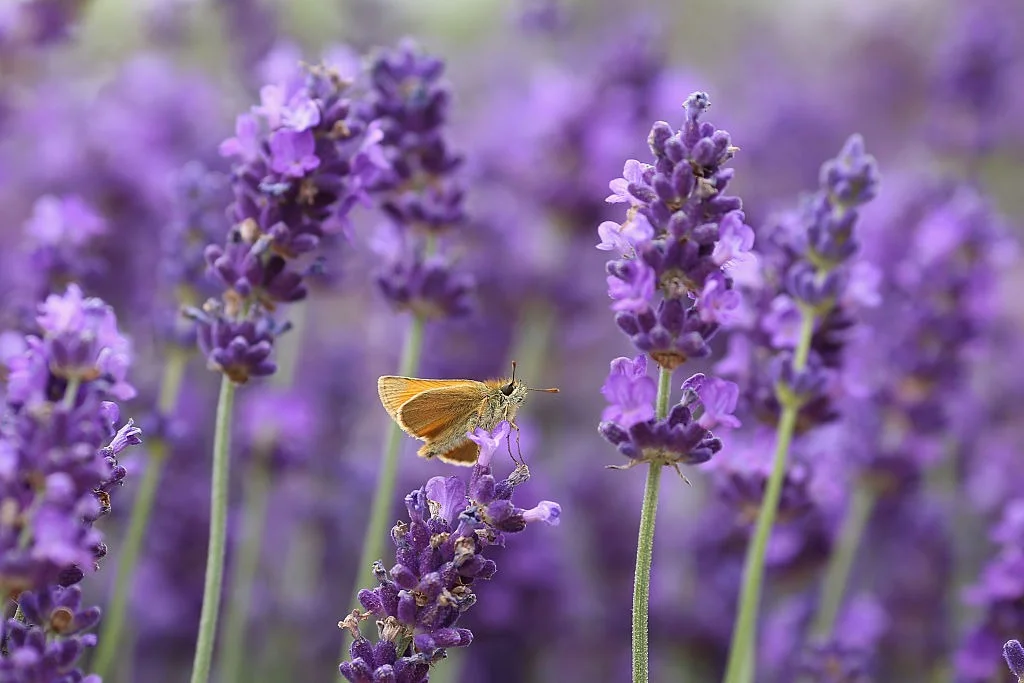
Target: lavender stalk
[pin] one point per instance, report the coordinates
(670, 292)
(741, 652)
(645, 546)
(302, 161)
(841, 563)
(217, 546)
(814, 273)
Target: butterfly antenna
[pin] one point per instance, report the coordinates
(513, 371)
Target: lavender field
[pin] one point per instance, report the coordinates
(768, 253)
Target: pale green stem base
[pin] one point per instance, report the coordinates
(645, 548)
(110, 643)
(837, 574)
(71, 392)
(218, 534)
(741, 667)
(383, 497)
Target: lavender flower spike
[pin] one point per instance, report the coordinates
(59, 443)
(1013, 652)
(439, 557)
(670, 285)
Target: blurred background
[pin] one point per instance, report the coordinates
(111, 116)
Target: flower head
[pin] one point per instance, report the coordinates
(48, 644)
(681, 229)
(439, 557)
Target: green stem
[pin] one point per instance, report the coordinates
(664, 392)
(218, 534)
(645, 547)
(243, 578)
(71, 392)
(837, 574)
(110, 642)
(742, 651)
(383, 497)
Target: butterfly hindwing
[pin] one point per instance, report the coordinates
(463, 454)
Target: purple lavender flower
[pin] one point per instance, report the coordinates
(304, 158)
(47, 645)
(681, 199)
(1013, 653)
(807, 266)
(60, 442)
(684, 436)
(629, 391)
(439, 557)
(421, 191)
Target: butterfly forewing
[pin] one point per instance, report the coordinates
(420, 415)
(396, 391)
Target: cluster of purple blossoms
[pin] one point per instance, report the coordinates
(303, 158)
(680, 230)
(440, 555)
(684, 436)
(48, 643)
(59, 444)
(806, 276)
(420, 193)
(60, 441)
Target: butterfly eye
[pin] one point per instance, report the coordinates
(507, 389)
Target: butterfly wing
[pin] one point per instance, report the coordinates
(396, 391)
(433, 412)
(464, 454)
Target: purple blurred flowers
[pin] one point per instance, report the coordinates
(421, 192)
